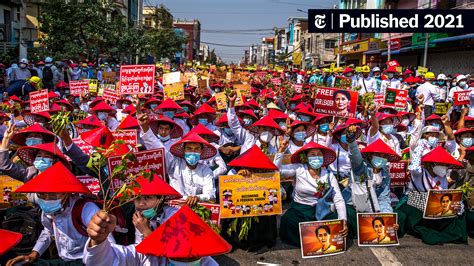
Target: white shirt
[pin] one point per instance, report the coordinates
(430, 93)
(366, 85)
(344, 161)
(322, 140)
(389, 83)
(392, 142)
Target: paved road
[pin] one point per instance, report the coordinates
(410, 252)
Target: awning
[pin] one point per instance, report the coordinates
(405, 49)
(377, 51)
(454, 38)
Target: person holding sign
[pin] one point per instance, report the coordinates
(391, 81)
(324, 124)
(383, 127)
(461, 85)
(106, 114)
(316, 193)
(366, 83)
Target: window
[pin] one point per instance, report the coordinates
(329, 44)
(148, 22)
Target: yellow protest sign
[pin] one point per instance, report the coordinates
(7, 186)
(93, 83)
(297, 57)
(239, 100)
(244, 89)
(173, 77)
(174, 91)
(332, 66)
(109, 77)
(221, 100)
(228, 76)
(358, 69)
(421, 71)
(399, 69)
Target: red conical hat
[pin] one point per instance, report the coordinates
(275, 114)
(249, 113)
(203, 109)
(191, 106)
(182, 115)
(169, 104)
(296, 98)
(390, 110)
(433, 117)
(252, 103)
(19, 138)
(99, 137)
(9, 240)
(319, 117)
(301, 105)
(96, 101)
(208, 151)
(103, 107)
(65, 103)
(328, 154)
(58, 179)
(61, 85)
(131, 110)
(28, 153)
(54, 108)
(379, 146)
(183, 235)
(411, 116)
(90, 121)
(267, 122)
(129, 123)
(157, 187)
(253, 158)
(52, 95)
(308, 112)
(16, 99)
(440, 156)
(383, 116)
(176, 130)
(391, 70)
(202, 131)
(310, 128)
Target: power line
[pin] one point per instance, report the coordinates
(225, 45)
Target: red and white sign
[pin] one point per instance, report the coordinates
(86, 148)
(79, 87)
(379, 99)
(395, 44)
(111, 94)
(334, 101)
(461, 97)
(396, 98)
(297, 87)
(215, 209)
(129, 136)
(276, 81)
(39, 101)
(145, 160)
(398, 174)
(137, 79)
(91, 183)
(393, 63)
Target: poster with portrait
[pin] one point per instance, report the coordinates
(8, 185)
(174, 91)
(442, 204)
(337, 102)
(322, 238)
(256, 195)
(377, 229)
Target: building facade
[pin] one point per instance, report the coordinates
(193, 33)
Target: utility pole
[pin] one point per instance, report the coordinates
(427, 38)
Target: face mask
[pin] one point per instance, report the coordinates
(467, 142)
(462, 84)
(124, 106)
(300, 136)
(387, 129)
(186, 108)
(102, 115)
(182, 263)
(49, 206)
(247, 121)
(434, 83)
(22, 66)
(405, 122)
(453, 84)
(266, 136)
(228, 131)
(192, 158)
(66, 92)
(33, 141)
(349, 75)
(153, 106)
(305, 118)
(344, 138)
(401, 79)
(164, 138)
(315, 162)
(92, 98)
(378, 162)
(42, 163)
(169, 114)
(203, 121)
(292, 106)
(77, 100)
(324, 127)
(441, 82)
(390, 75)
(217, 90)
(377, 76)
(203, 100)
(440, 170)
(149, 213)
(282, 125)
(433, 141)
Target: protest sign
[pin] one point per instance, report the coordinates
(244, 89)
(358, 69)
(342, 82)
(334, 101)
(174, 91)
(173, 77)
(461, 97)
(86, 148)
(257, 195)
(377, 229)
(297, 87)
(228, 76)
(276, 81)
(398, 174)
(379, 99)
(421, 71)
(91, 183)
(78, 87)
(93, 84)
(213, 207)
(396, 98)
(239, 100)
(221, 100)
(39, 101)
(322, 238)
(441, 204)
(110, 93)
(202, 86)
(135, 79)
(393, 63)
(441, 108)
(109, 77)
(145, 160)
(8, 185)
(399, 69)
(129, 136)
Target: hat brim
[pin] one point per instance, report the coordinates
(208, 151)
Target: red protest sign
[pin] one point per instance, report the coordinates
(145, 160)
(398, 174)
(78, 87)
(137, 79)
(396, 98)
(39, 101)
(111, 94)
(393, 63)
(91, 183)
(297, 87)
(129, 136)
(461, 97)
(338, 102)
(86, 148)
(379, 99)
(213, 207)
(276, 81)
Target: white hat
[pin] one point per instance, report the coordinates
(376, 69)
(24, 61)
(442, 77)
(460, 77)
(48, 60)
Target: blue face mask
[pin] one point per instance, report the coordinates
(315, 162)
(186, 108)
(192, 158)
(305, 118)
(433, 141)
(292, 106)
(42, 163)
(33, 141)
(282, 125)
(387, 129)
(153, 106)
(344, 139)
(324, 127)
(102, 115)
(467, 142)
(228, 131)
(77, 100)
(300, 136)
(378, 162)
(436, 125)
(203, 121)
(49, 206)
(203, 100)
(149, 213)
(169, 114)
(164, 138)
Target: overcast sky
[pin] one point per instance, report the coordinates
(238, 15)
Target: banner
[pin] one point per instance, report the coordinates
(379, 99)
(398, 174)
(170, 78)
(244, 89)
(137, 79)
(297, 87)
(110, 93)
(39, 101)
(8, 185)
(441, 108)
(213, 207)
(257, 195)
(396, 98)
(393, 63)
(377, 229)
(91, 183)
(421, 71)
(276, 81)
(342, 82)
(93, 83)
(174, 91)
(221, 100)
(338, 102)
(109, 77)
(461, 97)
(129, 136)
(79, 87)
(322, 238)
(441, 204)
(146, 160)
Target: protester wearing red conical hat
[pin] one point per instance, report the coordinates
(410, 80)
(302, 105)
(187, 106)
(152, 103)
(130, 109)
(204, 133)
(33, 135)
(66, 104)
(9, 240)
(56, 190)
(42, 156)
(252, 103)
(42, 118)
(306, 114)
(323, 123)
(434, 120)
(106, 114)
(15, 98)
(205, 115)
(96, 101)
(123, 103)
(206, 150)
(53, 96)
(129, 123)
(88, 123)
(300, 133)
(406, 115)
(266, 124)
(248, 117)
(380, 149)
(387, 110)
(165, 129)
(62, 85)
(168, 107)
(348, 70)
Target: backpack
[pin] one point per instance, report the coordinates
(27, 221)
(47, 74)
(120, 232)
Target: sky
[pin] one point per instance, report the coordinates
(239, 15)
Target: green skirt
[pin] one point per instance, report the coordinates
(433, 232)
(470, 223)
(351, 222)
(297, 213)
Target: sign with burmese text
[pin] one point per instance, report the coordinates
(137, 79)
(334, 101)
(39, 101)
(145, 160)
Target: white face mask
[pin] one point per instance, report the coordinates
(440, 170)
(266, 136)
(405, 122)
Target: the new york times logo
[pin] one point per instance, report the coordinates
(401, 20)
